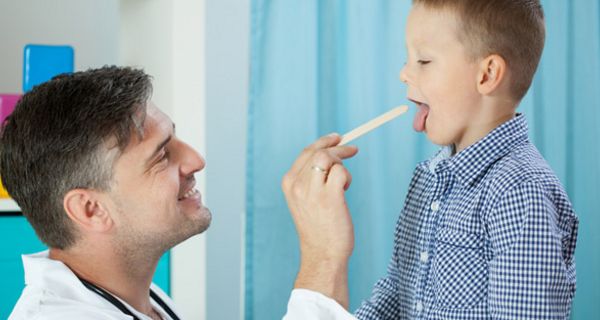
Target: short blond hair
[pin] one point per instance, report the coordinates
(513, 29)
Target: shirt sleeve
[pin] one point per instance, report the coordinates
(308, 305)
(531, 263)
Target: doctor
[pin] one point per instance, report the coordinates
(100, 174)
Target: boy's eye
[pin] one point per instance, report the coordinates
(423, 62)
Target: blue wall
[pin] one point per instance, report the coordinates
(16, 237)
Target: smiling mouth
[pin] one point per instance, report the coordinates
(189, 189)
(192, 193)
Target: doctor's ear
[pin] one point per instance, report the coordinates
(87, 211)
(492, 71)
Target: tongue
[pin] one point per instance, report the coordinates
(420, 117)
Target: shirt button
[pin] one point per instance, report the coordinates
(435, 206)
(419, 306)
(424, 256)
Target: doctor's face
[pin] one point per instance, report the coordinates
(154, 191)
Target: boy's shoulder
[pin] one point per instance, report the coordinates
(523, 165)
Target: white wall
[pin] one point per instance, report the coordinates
(197, 51)
(166, 38)
(227, 74)
(146, 41)
(90, 26)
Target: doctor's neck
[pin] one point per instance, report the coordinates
(120, 273)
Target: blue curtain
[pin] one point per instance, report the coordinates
(323, 66)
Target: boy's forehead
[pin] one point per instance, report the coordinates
(427, 24)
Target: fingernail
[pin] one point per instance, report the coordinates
(333, 134)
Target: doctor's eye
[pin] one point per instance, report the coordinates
(165, 156)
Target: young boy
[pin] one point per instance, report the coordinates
(487, 231)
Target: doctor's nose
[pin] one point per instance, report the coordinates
(191, 160)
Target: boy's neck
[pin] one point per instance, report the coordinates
(492, 116)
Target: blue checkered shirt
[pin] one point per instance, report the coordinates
(486, 234)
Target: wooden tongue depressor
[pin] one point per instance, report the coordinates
(365, 128)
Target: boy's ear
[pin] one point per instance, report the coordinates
(492, 71)
(87, 210)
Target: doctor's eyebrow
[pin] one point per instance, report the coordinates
(160, 147)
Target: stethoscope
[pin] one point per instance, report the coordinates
(115, 302)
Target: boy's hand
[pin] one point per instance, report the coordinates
(314, 189)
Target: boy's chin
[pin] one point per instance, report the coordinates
(437, 139)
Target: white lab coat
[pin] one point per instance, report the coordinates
(310, 305)
(53, 292)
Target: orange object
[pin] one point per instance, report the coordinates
(3, 193)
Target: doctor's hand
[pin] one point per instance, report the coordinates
(314, 189)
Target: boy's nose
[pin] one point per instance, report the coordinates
(404, 74)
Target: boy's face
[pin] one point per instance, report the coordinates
(441, 78)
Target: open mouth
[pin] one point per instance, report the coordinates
(192, 193)
(421, 115)
(189, 190)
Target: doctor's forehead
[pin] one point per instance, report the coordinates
(156, 117)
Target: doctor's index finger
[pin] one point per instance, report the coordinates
(326, 141)
(329, 140)
(343, 152)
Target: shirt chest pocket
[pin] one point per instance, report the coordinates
(460, 275)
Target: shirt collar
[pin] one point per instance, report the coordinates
(55, 276)
(472, 162)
